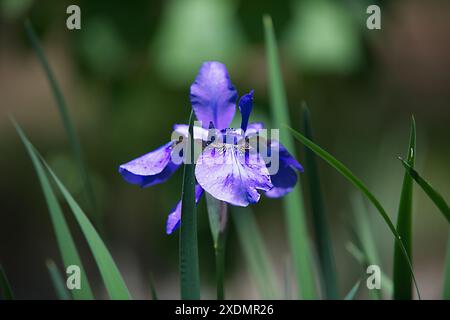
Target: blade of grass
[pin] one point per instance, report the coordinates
(5, 288)
(111, 276)
(402, 276)
(320, 223)
(65, 241)
(189, 266)
(362, 260)
(293, 202)
(367, 243)
(353, 291)
(66, 120)
(346, 173)
(218, 216)
(435, 196)
(446, 288)
(255, 252)
(153, 288)
(442, 205)
(57, 280)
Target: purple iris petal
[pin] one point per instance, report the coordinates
(231, 174)
(245, 107)
(213, 96)
(174, 218)
(285, 179)
(151, 168)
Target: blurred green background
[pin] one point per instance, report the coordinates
(126, 77)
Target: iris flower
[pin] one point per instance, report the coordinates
(231, 166)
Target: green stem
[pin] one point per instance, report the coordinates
(218, 221)
(220, 267)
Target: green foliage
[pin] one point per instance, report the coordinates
(353, 291)
(346, 173)
(293, 202)
(111, 276)
(320, 223)
(402, 275)
(66, 244)
(189, 267)
(442, 205)
(5, 287)
(58, 281)
(66, 120)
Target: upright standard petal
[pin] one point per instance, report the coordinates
(174, 218)
(245, 107)
(232, 173)
(285, 178)
(213, 96)
(150, 169)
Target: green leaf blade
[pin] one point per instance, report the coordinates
(5, 288)
(153, 292)
(320, 223)
(66, 244)
(446, 289)
(111, 276)
(293, 202)
(432, 193)
(66, 120)
(442, 205)
(402, 275)
(189, 262)
(353, 291)
(57, 280)
(346, 173)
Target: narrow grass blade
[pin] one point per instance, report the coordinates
(402, 276)
(58, 281)
(446, 289)
(5, 288)
(353, 291)
(218, 220)
(320, 223)
(255, 252)
(442, 205)
(66, 120)
(368, 254)
(346, 173)
(111, 276)
(64, 238)
(189, 266)
(293, 202)
(153, 288)
(429, 190)
(363, 260)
